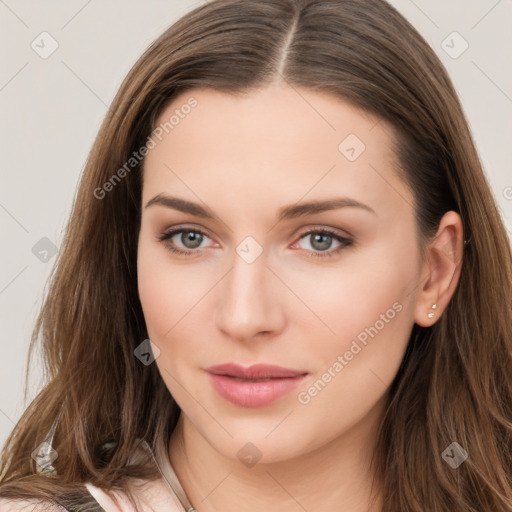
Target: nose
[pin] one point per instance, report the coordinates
(249, 301)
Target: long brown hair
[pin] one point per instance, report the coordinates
(455, 382)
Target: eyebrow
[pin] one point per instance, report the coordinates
(285, 213)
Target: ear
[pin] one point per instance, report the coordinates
(441, 270)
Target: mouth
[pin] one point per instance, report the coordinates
(253, 386)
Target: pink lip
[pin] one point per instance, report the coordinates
(253, 386)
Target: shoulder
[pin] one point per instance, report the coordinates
(10, 505)
(151, 496)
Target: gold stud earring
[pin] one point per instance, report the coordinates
(430, 315)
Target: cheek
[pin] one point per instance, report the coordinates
(367, 312)
(353, 368)
(367, 290)
(174, 299)
(368, 307)
(168, 293)
(154, 290)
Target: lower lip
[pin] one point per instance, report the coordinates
(253, 393)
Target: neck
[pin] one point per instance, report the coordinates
(336, 476)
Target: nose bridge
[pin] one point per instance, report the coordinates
(247, 304)
(247, 280)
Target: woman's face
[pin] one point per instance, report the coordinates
(327, 292)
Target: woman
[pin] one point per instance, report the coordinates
(285, 284)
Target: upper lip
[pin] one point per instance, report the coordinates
(257, 371)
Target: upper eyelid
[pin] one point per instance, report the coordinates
(179, 229)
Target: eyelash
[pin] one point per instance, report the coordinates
(345, 242)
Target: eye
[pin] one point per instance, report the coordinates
(190, 240)
(321, 241)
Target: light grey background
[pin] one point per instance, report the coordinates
(51, 109)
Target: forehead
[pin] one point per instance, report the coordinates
(277, 114)
(276, 141)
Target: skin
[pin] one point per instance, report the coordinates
(244, 158)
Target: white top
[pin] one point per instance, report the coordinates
(163, 495)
